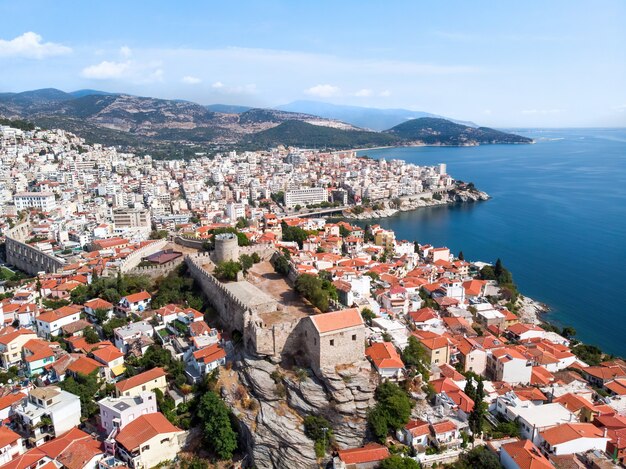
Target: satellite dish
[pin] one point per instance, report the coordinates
(10, 381)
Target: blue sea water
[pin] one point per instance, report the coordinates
(557, 220)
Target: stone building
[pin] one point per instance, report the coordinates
(335, 338)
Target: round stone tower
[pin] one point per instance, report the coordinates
(226, 247)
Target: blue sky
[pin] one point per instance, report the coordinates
(530, 63)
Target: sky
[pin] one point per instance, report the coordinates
(532, 63)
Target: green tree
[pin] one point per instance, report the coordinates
(159, 234)
(80, 295)
(398, 462)
(478, 457)
(218, 433)
(392, 410)
(256, 258)
(319, 430)
(461, 256)
(112, 324)
(101, 315)
(86, 387)
(227, 270)
(246, 262)
(414, 356)
(281, 265)
(477, 415)
(367, 315)
(90, 335)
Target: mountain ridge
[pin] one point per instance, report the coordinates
(154, 124)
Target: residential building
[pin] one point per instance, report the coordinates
(44, 201)
(305, 196)
(147, 381)
(48, 413)
(149, 440)
(117, 412)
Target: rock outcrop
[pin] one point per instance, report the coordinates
(271, 404)
(388, 208)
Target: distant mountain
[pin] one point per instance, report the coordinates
(436, 131)
(364, 117)
(305, 135)
(175, 127)
(228, 108)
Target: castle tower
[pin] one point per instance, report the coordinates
(226, 247)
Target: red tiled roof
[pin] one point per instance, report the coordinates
(384, 355)
(569, 432)
(84, 366)
(210, 354)
(136, 297)
(7, 436)
(10, 399)
(337, 320)
(140, 379)
(107, 353)
(526, 455)
(143, 429)
(371, 452)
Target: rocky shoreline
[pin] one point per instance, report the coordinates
(530, 311)
(388, 208)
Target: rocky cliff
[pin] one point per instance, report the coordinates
(388, 208)
(271, 403)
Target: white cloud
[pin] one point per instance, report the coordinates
(29, 45)
(189, 80)
(487, 112)
(106, 70)
(128, 70)
(222, 88)
(384, 94)
(364, 93)
(323, 91)
(217, 85)
(126, 52)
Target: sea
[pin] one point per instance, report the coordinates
(557, 220)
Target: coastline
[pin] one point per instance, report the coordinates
(409, 203)
(531, 311)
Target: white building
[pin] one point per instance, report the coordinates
(48, 413)
(43, 201)
(117, 412)
(306, 196)
(149, 440)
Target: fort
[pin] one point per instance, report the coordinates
(272, 320)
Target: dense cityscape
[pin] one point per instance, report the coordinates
(183, 311)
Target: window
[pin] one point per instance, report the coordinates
(353, 336)
(332, 342)
(143, 388)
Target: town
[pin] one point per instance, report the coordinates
(181, 312)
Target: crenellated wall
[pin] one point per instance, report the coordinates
(134, 258)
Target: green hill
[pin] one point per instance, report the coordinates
(302, 134)
(436, 131)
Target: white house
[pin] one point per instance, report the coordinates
(416, 433)
(124, 335)
(509, 365)
(136, 302)
(149, 440)
(50, 324)
(11, 445)
(117, 412)
(95, 304)
(205, 360)
(48, 412)
(570, 438)
(523, 454)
